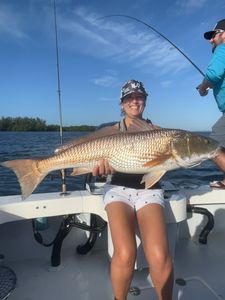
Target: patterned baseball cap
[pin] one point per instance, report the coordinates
(132, 86)
(219, 27)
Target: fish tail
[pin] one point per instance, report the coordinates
(27, 172)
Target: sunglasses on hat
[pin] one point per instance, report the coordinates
(216, 32)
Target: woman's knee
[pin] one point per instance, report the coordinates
(160, 260)
(125, 255)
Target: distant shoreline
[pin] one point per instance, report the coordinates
(75, 130)
(25, 124)
(36, 124)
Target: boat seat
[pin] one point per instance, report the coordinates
(7, 282)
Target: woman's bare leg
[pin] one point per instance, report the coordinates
(154, 238)
(122, 220)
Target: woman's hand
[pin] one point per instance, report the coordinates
(102, 168)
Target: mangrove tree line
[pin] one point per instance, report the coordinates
(36, 124)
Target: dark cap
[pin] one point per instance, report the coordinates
(132, 86)
(219, 26)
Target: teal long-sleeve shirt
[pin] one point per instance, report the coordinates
(215, 74)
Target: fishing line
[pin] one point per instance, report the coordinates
(160, 34)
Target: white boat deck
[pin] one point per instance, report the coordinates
(203, 268)
(86, 277)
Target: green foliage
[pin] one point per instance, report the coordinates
(80, 128)
(36, 124)
(22, 124)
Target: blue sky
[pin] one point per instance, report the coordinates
(98, 56)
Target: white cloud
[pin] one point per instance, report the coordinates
(120, 40)
(166, 83)
(106, 81)
(190, 3)
(186, 7)
(11, 23)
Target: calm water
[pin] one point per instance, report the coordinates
(15, 145)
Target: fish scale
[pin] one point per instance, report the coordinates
(151, 152)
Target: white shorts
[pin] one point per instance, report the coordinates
(132, 197)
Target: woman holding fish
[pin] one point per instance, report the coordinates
(127, 202)
(139, 150)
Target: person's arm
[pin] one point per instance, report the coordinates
(214, 72)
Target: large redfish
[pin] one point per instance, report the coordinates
(150, 152)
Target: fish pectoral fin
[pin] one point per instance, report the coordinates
(151, 178)
(157, 161)
(80, 171)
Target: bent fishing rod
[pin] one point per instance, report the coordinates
(159, 33)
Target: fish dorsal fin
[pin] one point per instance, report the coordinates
(151, 178)
(141, 125)
(157, 161)
(106, 131)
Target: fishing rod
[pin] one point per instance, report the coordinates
(63, 175)
(58, 73)
(159, 33)
(41, 223)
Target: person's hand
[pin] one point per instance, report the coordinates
(102, 168)
(203, 91)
